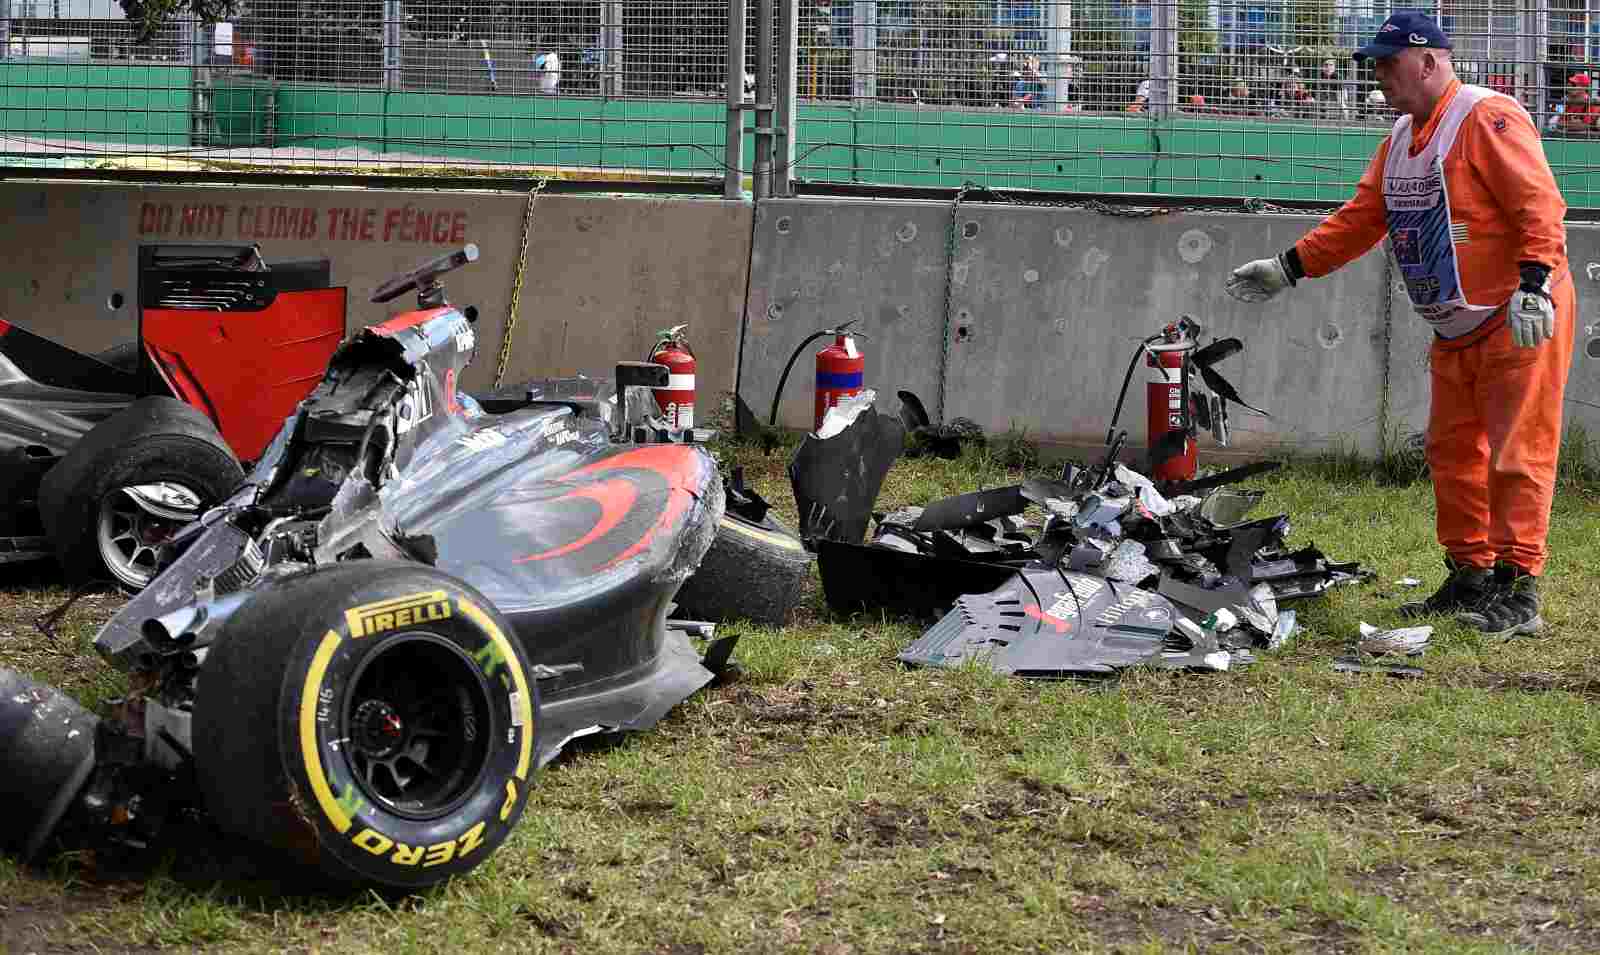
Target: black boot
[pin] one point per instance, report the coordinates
(1464, 589)
(1512, 607)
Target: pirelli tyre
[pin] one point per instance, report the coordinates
(374, 722)
(753, 571)
(129, 484)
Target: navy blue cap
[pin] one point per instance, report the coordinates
(1401, 31)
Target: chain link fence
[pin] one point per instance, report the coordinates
(1196, 97)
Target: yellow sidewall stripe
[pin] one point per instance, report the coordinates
(309, 750)
(762, 534)
(525, 699)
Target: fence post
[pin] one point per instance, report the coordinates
(761, 178)
(1163, 57)
(1058, 33)
(864, 50)
(611, 48)
(1534, 37)
(785, 115)
(393, 16)
(733, 158)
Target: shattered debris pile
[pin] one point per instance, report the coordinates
(1116, 574)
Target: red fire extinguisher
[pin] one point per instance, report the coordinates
(676, 400)
(1166, 397)
(840, 370)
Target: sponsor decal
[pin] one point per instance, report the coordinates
(1064, 604)
(1406, 246)
(408, 611)
(439, 853)
(1423, 288)
(484, 440)
(1419, 39)
(1131, 600)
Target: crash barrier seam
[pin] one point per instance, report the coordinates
(516, 282)
(1100, 207)
(1386, 315)
(949, 293)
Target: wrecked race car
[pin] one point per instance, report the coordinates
(414, 600)
(103, 457)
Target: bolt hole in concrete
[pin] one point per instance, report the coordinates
(907, 232)
(784, 224)
(114, 301)
(775, 311)
(1593, 348)
(970, 230)
(1330, 335)
(1193, 246)
(1030, 276)
(963, 333)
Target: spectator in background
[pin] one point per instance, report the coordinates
(1330, 90)
(1578, 112)
(1293, 97)
(1141, 98)
(1240, 100)
(547, 67)
(1376, 105)
(1028, 91)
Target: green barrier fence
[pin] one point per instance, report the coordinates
(889, 144)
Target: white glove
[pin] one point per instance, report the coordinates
(1259, 280)
(1532, 316)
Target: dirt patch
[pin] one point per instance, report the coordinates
(1528, 919)
(648, 807)
(1116, 923)
(1582, 684)
(883, 825)
(45, 926)
(547, 924)
(792, 707)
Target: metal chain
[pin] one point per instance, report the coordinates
(949, 294)
(516, 282)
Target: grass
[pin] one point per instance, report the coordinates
(835, 802)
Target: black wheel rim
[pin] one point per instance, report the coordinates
(417, 726)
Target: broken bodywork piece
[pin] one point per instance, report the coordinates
(1049, 624)
(837, 472)
(1355, 664)
(1405, 641)
(1123, 535)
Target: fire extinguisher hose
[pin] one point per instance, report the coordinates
(772, 419)
(1126, 380)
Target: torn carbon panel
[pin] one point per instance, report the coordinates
(1047, 625)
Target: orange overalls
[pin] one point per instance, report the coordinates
(1494, 425)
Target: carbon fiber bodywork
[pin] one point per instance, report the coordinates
(580, 540)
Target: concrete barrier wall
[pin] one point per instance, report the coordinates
(603, 274)
(1046, 305)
